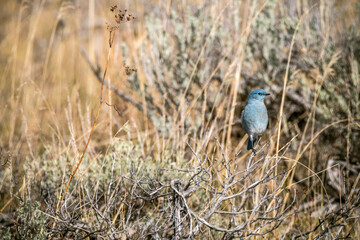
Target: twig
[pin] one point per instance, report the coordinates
(98, 76)
(97, 115)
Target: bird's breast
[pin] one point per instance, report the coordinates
(254, 118)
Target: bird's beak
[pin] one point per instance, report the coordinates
(267, 93)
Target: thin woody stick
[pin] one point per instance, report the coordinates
(119, 19)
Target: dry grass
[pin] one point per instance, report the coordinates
(174, 82)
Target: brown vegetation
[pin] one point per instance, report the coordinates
(167, 155)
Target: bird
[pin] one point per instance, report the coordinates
(254, 117)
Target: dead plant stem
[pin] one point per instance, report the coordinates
(96, 118)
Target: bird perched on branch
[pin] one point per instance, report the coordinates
(254, 117)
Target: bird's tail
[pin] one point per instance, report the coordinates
(251, 145)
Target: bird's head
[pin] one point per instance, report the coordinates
(258, 94)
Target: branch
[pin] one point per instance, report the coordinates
(97, 73)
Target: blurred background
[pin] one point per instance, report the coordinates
(180, 72)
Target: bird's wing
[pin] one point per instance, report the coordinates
(243, 114)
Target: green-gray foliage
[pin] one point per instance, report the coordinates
(30, 223)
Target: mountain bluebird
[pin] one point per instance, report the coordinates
(254, 117)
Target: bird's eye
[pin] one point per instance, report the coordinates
(259, 93)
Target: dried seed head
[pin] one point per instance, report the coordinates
(129, 70)
(121, 16)
(113, 8)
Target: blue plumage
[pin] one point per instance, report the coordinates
(254, 117)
